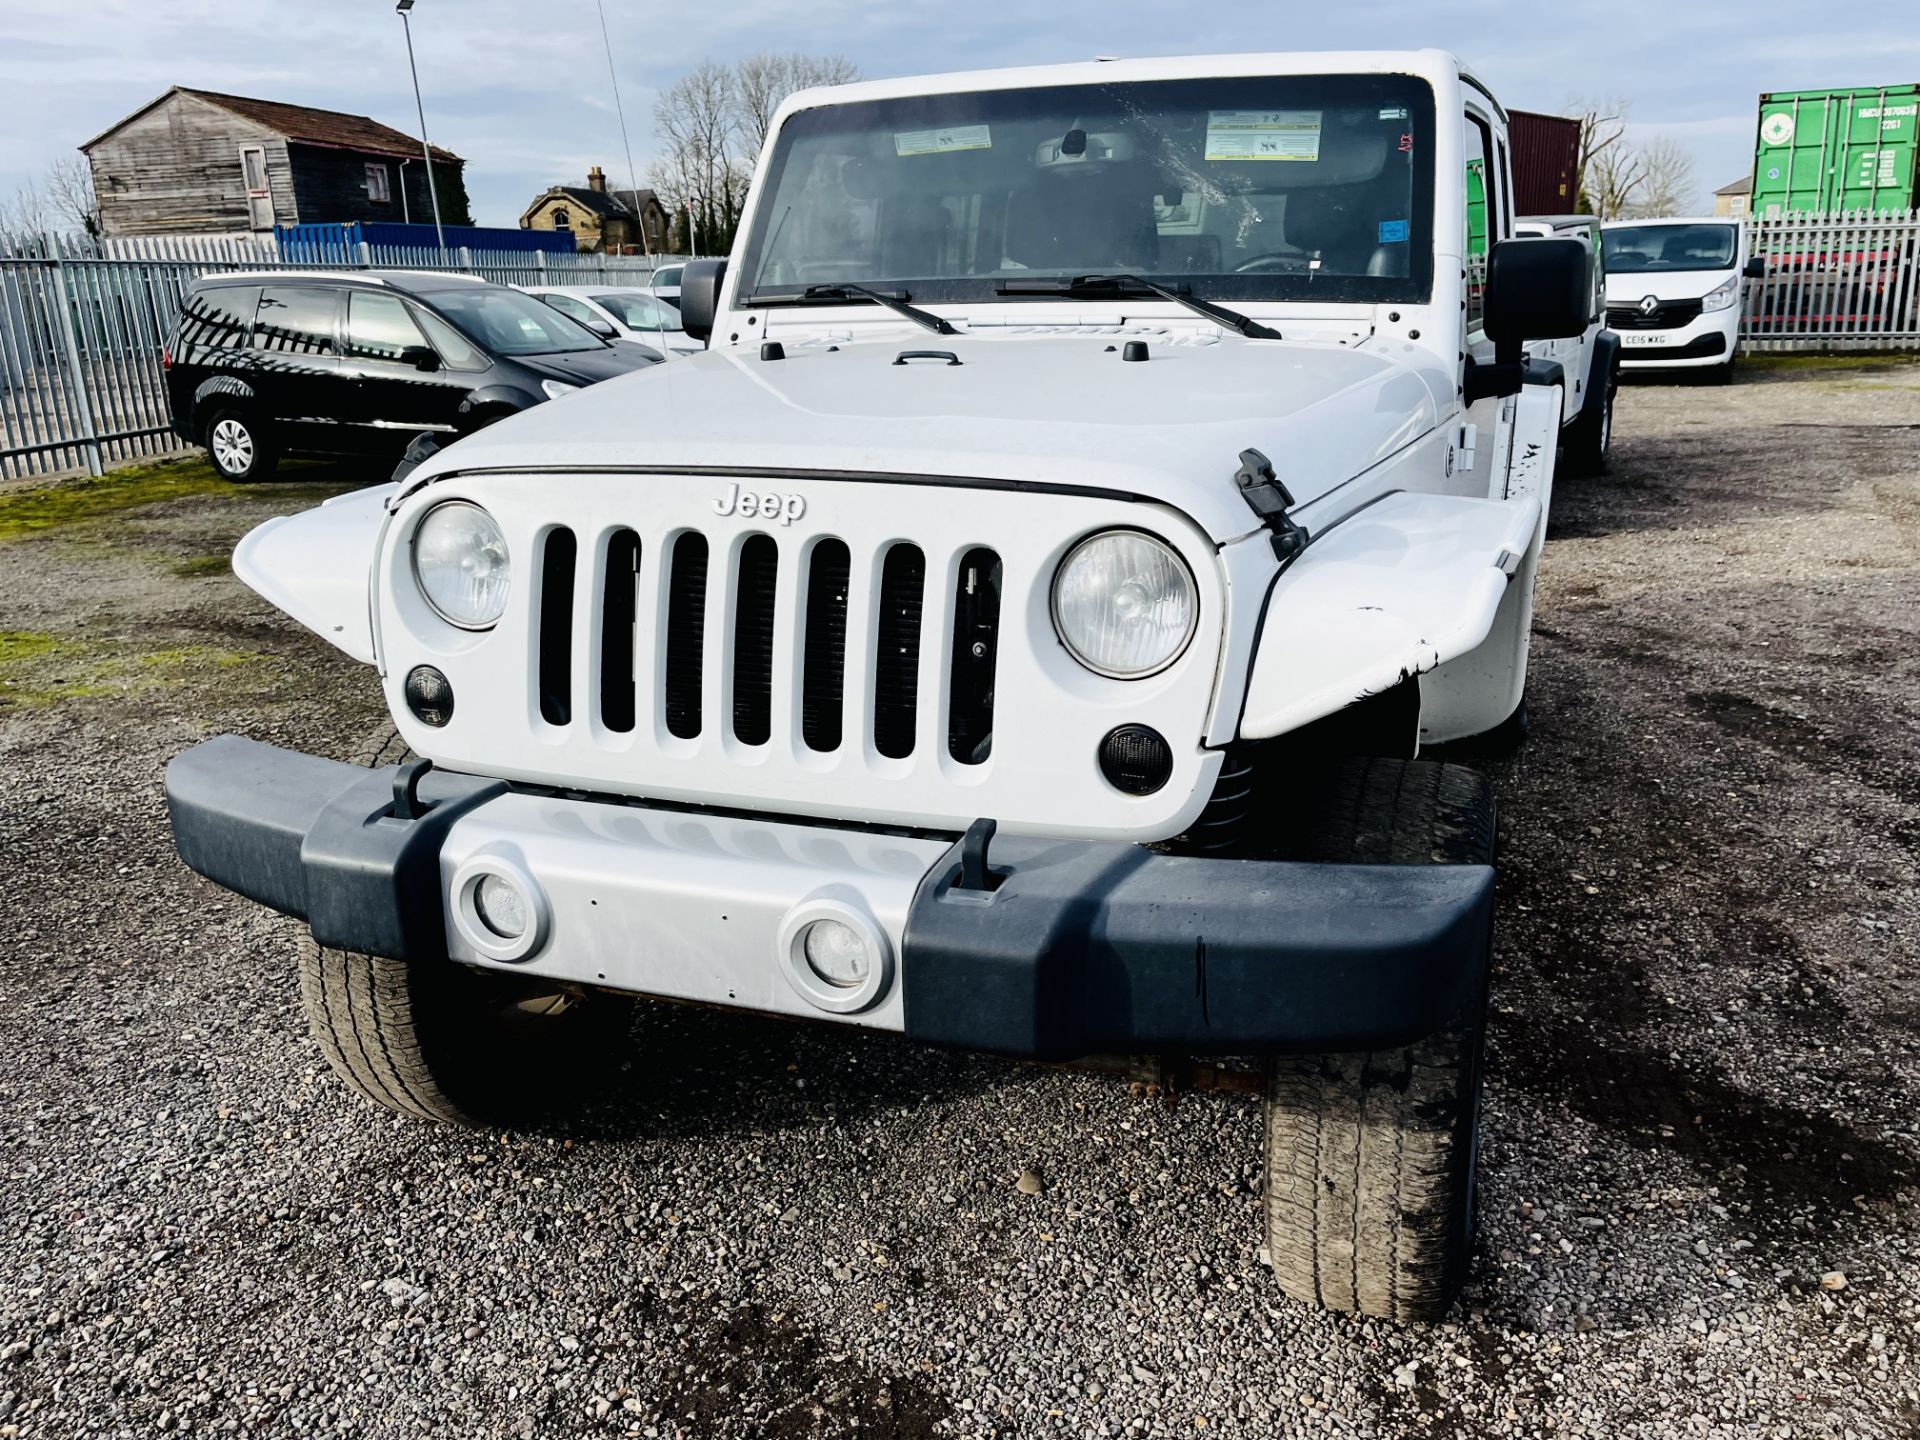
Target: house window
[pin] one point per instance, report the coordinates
(561, 219)
(377, 190)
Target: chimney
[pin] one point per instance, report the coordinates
(597, 180)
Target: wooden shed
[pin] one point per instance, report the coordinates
(197, 161)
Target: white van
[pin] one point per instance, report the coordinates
(1673, 292)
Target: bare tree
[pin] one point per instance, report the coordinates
(713, 121)
(27, 211)
(695, 116)
(1614, 181)
(1666, 179)
(761, 82)
(69, 190)
(1603, 127)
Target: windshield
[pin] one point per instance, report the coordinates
(1638, 249)
(1272, 187)
(509, 323)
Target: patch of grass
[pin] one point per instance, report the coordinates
(1786, 361)
(195, 567)
(39, 668)
(35, 509)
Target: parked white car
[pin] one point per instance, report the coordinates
(1674, 289)
(1016, 632)
(1591, 359)
(621, 312)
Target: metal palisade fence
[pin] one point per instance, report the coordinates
(83, 324)
(1834, 282)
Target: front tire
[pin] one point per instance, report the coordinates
(239, 447)
(437, 1040)
(1369, 1158)
(1589, 440)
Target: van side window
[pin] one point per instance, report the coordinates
(456, 351)
(296, 320)
(379, 328)
(219, 318)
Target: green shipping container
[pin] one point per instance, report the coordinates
(1826, 150)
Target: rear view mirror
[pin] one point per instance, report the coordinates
(700, 285)
(420, 357)
(603, 328)
(1756, 269)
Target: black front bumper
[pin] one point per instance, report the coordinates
(1080, 947)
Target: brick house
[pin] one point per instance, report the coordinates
(601, 219)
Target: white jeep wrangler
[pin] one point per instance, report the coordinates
(1016, 630)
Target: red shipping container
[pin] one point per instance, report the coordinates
(1546, 163)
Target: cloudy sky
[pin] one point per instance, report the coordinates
(521, 89)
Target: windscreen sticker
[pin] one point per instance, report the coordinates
(1394, 112)
(936, 142)
(1393, 232)
(1263, 135)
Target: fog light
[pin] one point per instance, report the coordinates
(429, 696)
(836, 953)
(1136, 759)
(499, 910)
(500, 906)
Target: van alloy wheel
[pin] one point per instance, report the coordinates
(232, 447)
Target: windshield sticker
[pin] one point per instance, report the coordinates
(935, 142)
(1393, 232)
(1263, 135)
(1394, 112)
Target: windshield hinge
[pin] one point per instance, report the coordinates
(1270, 499)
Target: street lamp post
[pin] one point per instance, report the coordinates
(426, 150)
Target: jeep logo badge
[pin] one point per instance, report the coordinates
(1649, 304)
(765, 505)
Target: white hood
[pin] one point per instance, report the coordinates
(1062, 409)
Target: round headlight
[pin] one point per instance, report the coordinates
(1124, 604)
(460, 560)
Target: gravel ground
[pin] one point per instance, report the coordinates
(1701, 1155)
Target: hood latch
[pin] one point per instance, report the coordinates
(1270, 499)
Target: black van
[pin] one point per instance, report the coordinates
(267, 364)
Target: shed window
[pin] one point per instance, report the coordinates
(377, 190)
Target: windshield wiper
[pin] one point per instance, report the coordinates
(846, 290)
(1124, 284)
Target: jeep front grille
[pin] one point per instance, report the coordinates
(752, 590)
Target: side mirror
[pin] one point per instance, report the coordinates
(421, 357)
(700, 285)
(1536, 290)
(1756, 268)
(603, 328)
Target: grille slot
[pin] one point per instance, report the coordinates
(823, 670)
(1667, 315)
(618, 608)
(896, 669)
(753, 640)
(976, 625)
(686, 634)
(557, 558)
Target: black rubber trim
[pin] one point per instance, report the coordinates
(319, 840)
(1090, 948)
(1699, 348)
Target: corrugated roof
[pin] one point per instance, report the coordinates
(302, 124)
